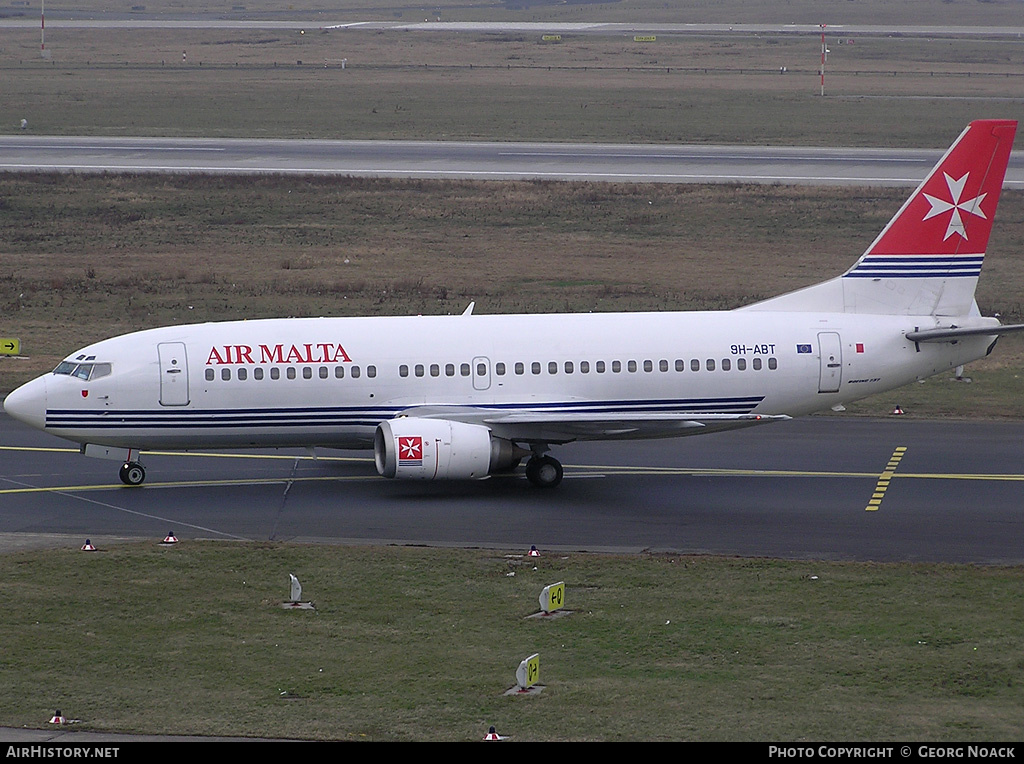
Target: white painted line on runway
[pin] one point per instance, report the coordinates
(502, 174)
(50, 147)
(717, 157)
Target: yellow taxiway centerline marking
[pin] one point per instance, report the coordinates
(188, 484)
(202, 454)
(882, 481)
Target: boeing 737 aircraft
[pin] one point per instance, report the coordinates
(463, 397)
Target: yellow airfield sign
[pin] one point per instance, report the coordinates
(528, 672)
(10, 346)
(552, 597)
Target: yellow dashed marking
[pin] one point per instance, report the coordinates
(884, 479)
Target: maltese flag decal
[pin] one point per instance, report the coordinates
(410, 451)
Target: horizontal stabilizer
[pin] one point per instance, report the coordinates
(953, 333)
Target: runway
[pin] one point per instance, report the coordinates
(801, 490)
(289, 19)
(489, 161)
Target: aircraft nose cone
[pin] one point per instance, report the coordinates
(28, 403)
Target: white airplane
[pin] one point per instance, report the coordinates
(463, 397)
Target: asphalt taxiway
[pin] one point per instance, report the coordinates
(816, 488)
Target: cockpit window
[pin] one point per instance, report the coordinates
(84, 371)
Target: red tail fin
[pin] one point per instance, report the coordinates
(927, 259)
(951, 212)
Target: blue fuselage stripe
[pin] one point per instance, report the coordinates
(366, 416)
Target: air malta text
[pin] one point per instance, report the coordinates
(309, 352)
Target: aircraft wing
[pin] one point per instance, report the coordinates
(527, 425)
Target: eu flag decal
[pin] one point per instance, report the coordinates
(803, 348)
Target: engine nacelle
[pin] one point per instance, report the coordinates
(412, 448)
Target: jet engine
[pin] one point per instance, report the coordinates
(412, 448)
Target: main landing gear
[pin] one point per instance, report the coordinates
(132, 473)
(544, 471)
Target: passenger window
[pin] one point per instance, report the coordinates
(307, 373)
(355, 372)
(694, 365)
(275, 373)
(419, 370)
(243, 374)
(225, 374)
(663, 365)
(600, 367)
(371, 371)
(773, 364)
(568, 367)
(552, 367)
(464, 369)
(535, 367)
(290, 373)
(323, 372)
(520, 368)
(616, 366)
(741, 364)
(209, 375)
(757, 364)
(680, 365)
(710, 365)
(449, 369)
(631, 365)
(584, 367)
(435, 370)
(339, 372)
(499, 369)
(403, 370)
(257, 373)
(481, 369)
(726, 364)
